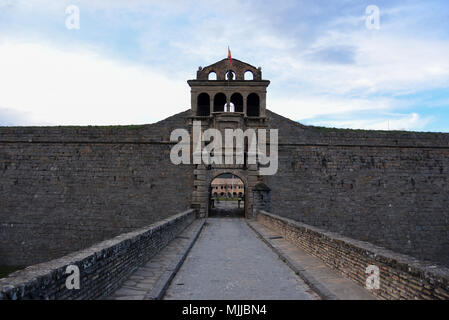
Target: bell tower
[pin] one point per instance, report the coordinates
(220, 89)
(224, 97)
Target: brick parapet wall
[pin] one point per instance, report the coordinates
(290, 133)
(102, 267)
(158, 132)
(401, 276)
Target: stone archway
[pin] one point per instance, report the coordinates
(242, 174)
(223, 197)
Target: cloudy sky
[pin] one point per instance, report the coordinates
(129, 61)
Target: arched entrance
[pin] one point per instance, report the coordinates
(227, 196)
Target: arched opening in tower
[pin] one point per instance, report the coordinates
(219, 102)
(230, 75)
(253, 105)
(237, 100)
(227, 196)
(212, 76)
(203, 108)
(248, 75)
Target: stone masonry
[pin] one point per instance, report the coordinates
(102, 267)
(400, 276)
(70, 187)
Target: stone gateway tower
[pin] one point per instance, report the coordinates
(227, 98)
(218, 88)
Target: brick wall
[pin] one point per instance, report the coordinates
(387, 188)
(72, 187)
(401, 276)
(102, 267)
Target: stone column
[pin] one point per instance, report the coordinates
(245, 97)
(193, 101)
(211, 103)
(263, 103)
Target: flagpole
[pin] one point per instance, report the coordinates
(228, 105)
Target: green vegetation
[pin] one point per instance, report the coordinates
(125, 127)
(332, 129)
(5, 270)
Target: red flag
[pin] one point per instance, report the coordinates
(230, 58)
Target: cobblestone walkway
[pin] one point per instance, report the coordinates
(228, 261)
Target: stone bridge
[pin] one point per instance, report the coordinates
(270, 257)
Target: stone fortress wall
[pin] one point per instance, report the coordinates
(387, 188)
(65, 188)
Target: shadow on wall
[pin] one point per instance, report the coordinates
(6, 270)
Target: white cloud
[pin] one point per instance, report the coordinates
(53, 86)
(306, 107)
(411, 121)
(383, 63)
(321, 59)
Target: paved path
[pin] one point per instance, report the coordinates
(227, 209)
(144, 280)
(228, 261)
(330, 282)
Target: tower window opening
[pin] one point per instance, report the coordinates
(237, 100)
(230, 75)
(219, 102)
(248, 75)
(253, 105)
(203, 108)
(212, 76)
